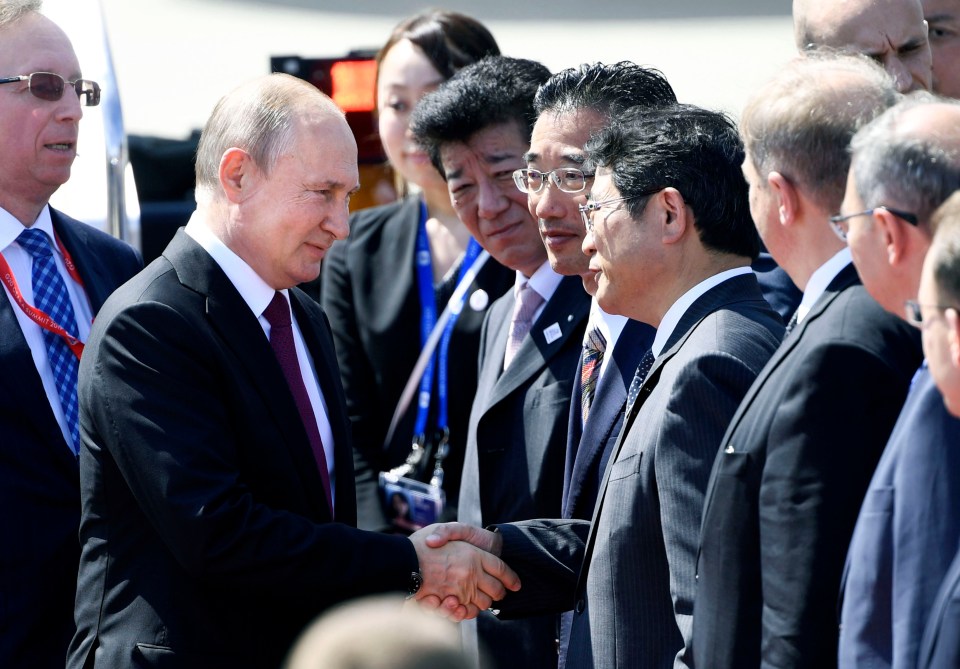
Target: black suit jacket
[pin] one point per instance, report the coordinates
(207, 541)
(39, 481)
(787, 484)
(370, 296)
(516, 446)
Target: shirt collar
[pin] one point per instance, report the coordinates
(10, 227)
(253, 289)
(544, 281)
(610, 325)
(680, 307)
(820, 279)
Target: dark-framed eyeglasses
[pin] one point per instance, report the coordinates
(915, 313)
(49, 86)
(839, 222)
(567, 179)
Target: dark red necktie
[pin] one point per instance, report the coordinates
(281, 340)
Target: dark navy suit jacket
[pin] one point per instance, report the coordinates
(905, 537)
(940, 647)
(39, 480)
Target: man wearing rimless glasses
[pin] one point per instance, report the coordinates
(56, 273)
(904, 165)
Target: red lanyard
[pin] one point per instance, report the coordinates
(36, 315)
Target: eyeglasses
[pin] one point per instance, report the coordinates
(586, 210)
(49, 86)
(838, 222)
(915, 315)
(567, 179)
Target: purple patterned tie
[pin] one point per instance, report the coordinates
(50, 296)
(528, 301)
(281, 340)
(593, 350)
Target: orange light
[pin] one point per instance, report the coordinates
(354, 83)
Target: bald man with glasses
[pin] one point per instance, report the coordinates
(56, 273)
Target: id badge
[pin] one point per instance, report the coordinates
(410, 504)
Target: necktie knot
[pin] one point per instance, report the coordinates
(593, 350)
(35, 242)
(277, 312)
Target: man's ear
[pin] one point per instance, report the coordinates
(894, 234)
(236, 171)
(675, 216)
(788, 201)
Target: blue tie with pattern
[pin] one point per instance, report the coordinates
(50, 296)
(642, 370)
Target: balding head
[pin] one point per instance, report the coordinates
(259, 117)
(892, 32)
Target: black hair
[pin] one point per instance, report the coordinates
(608, 89)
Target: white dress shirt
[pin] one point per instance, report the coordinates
(21, 264)
(679, 308)
(610, 326)
(258, 295)
(820, 279)
(544, 282)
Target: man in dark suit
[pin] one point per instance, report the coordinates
(671, 249)
(905, 164)
(800, 450)
(477, 128)
(571, 106)
(218, 506)
(39, 480)
(938, 303)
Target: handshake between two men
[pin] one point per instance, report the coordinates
(461, 569)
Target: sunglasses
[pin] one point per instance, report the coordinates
(49, 86)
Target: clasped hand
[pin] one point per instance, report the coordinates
(462, 573)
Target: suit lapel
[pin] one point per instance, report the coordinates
(240, 331)
(75, 239)
(566, 309)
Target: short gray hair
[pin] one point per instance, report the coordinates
(906, 171)
(12, 11)
(801, 122)
(260, 118)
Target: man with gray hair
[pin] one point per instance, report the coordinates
(796, 458)
(892, 32)
(56, 273)
(218, 502)
(904, 165)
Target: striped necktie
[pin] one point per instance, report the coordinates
(593, 350)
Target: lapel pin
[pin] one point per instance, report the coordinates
(552, 333)
(479, 300)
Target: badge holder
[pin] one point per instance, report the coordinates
(411, 504)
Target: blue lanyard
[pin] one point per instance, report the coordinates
(428, 319)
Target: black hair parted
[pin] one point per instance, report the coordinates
(696, 151)
(490, 92)
(608, 89)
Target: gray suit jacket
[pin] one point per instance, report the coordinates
(633, 594)
(513, 468)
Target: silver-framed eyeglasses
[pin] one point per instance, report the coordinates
(839, 222)
(915, 314)
(49, 86)
(567, 179)
(586, 210)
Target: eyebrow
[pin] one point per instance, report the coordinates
(575, 158)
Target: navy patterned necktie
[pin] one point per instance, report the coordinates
(593, 350)
(51, 297)
(642, 370)
(277, 314)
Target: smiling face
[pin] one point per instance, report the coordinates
(480, 180)
(405, 75)
(38, 138)
(557, 142)
(289, 218)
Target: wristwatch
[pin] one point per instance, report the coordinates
(414, 584)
